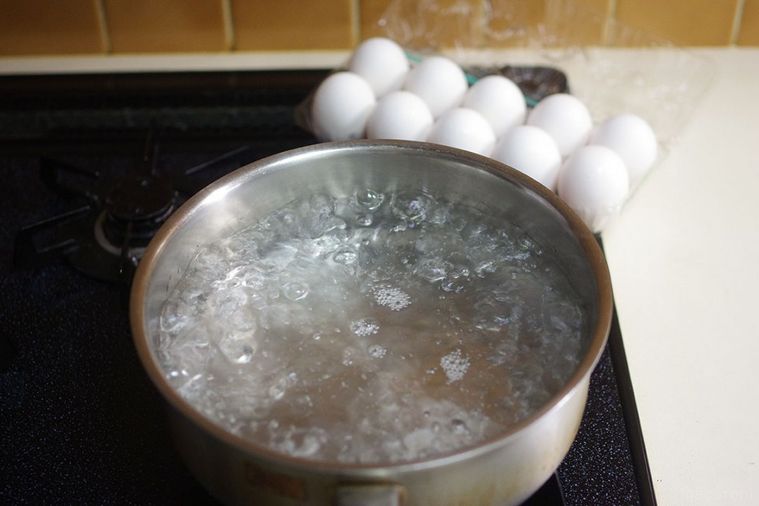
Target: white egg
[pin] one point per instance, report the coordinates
(464, 129)
(594, 183)
(400, 115)
(439, 82)
(631, 138)
(565, 118)
(499, 100)
(382, 63)
(532, 151)
(341, 106)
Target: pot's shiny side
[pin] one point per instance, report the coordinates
(504, 470)
(505, 475)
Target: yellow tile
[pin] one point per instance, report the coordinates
(512, 22)
(599, 6)
(446, 23)
(684, 22)
(576, 23)
(165, 25)
(293, 24)
(749, 29)
(49, 27)
(371, 11)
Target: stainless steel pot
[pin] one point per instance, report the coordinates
(504, 470)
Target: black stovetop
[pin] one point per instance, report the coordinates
(79, 420)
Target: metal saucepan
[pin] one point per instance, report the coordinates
(502, 470)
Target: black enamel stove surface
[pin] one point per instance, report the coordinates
(89, 166)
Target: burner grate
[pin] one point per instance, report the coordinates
(106, 236)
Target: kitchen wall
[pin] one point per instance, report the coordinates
(66, 27)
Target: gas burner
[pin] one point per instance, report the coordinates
(106, 237)
(135, 209)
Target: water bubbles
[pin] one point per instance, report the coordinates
(485, 267)
(246, 354)
(412, 208)
(348, 355)
(369, 199)
(345, 256)
(325, 244)
(364, 327)
(455, 365)
(456, 279)
(440, 215)
(432, 269)
(225, 303)
(253, 279)
(451, 285)
(278, 389)
(365, 220)
(391, 297)
(238, 347)
(175, 316)
(317, 207)
(370, 313)
(295, 290)
(459, 426)
(279, 257)
(376, 351)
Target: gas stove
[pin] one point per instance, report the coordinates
(91, 166)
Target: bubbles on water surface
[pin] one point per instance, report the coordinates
(364, 220)
(365, 327)
(455, 365)
(295, 290)
(345, 256)
(369, 199)
(369, 328)
(377, 351)
(392, 298)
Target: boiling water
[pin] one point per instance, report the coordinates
(372, 328)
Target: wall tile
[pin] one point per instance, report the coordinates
(293, 24)
(684, 22)
(574, 23)
(511, 19)
(49, 27)
(514, 22)
(749, 29)
(371, 11)
(427, 26)
(552, 22)
(165, 25)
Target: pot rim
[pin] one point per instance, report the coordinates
(585, 237)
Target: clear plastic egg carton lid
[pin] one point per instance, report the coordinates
(612, 67)
(554, 45)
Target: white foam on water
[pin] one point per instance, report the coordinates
(365, 327)
(391, 297)
(376, 351)
(455, 365)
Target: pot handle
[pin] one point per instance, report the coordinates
(370, 494)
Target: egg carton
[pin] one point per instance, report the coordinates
(539, 56)
(612, 67)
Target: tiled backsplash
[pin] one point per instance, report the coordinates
(51, 27)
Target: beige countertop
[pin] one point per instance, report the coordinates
(684, 260)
